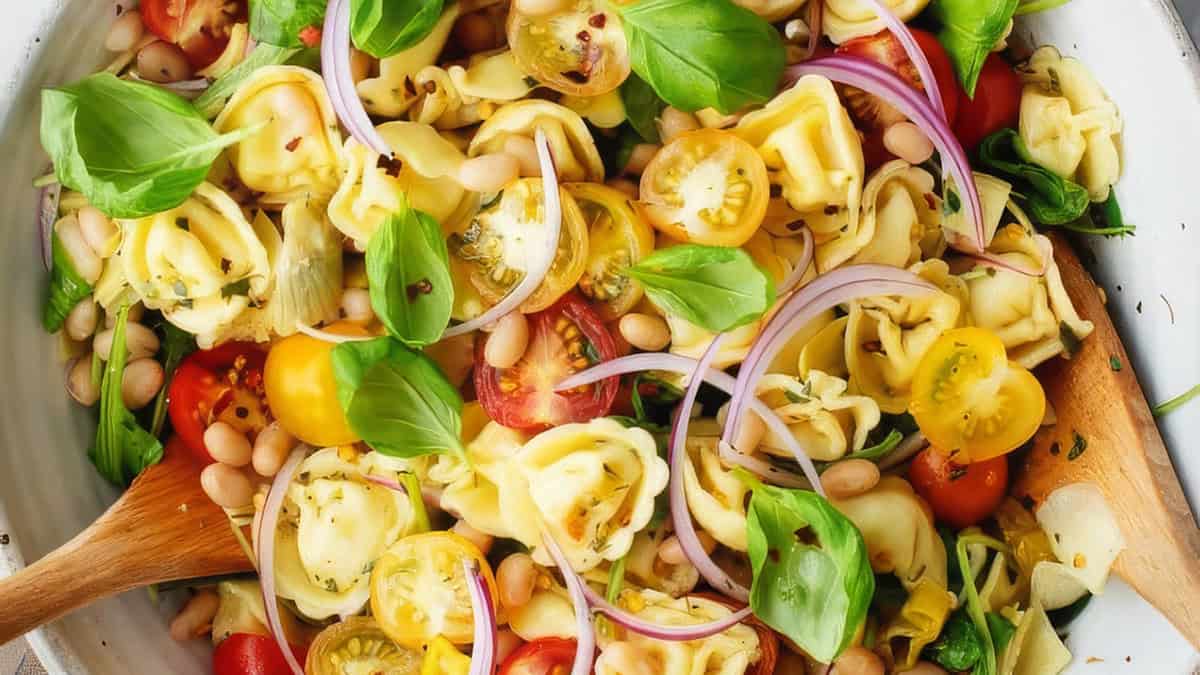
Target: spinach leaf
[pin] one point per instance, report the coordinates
(122, 448)
(812, 576)
(642, 108)
(1050, 198)
(1103, 218)
(210, 103)
(132, 149)
(397, 400)
(704, 53)
(67, 287)
(959, 648)
(280, 22)
(714, 287)
(382, 28)
(970, 28)
(176, 344)
(408, 267)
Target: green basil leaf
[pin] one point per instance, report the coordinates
(704, 53)
(383, 28)
(1050, 198)
(642, 108)
(959, 647)
(210, 103)
(1103, 218)
(280, 22)
(969, 31)
(123, 449)
(176, 344)
(132, 149)
(812, 575)
(408, 267)
(872, 453)
(67, 288)
(396, 399)
(714, 287)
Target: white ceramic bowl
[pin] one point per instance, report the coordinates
(49, 491)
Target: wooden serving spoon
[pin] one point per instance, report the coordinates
(163, 528)
(1096, 398)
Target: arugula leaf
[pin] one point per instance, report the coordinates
(642, 107)
(280, 22)
(67, 287)
(132, 149)
(396, 399)
(122, 448)
(408, 267)
(176, 344)
(210, 103)
(1050, 198)
(383, 28)
(714, 287)
(704, 53)
(812, 575)
(969, 31)
(959, 648)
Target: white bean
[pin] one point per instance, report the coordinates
(140, 383)
(796, 30)
(647, 333)
(163, 62)
(625, 658)
(196, 617)
(98, 231)
(82, 320)
(750, 432)
(623, 185)
(673, 122)
(515, 579)
(482, 540)
(640, 156)
(475, 32)
(671, 552)
(360, 65)
(227, 445)
(79, 382)
(356, 306)
(140, 342)
(926, 668)
(126, 31)
(525, 150)
(857, 661)
(539, 7)
(906, 141)
(488, 173)
(226, 486)
(82, 257)
(506, 345)
(136, 312)
(850, 478)
(271, 448)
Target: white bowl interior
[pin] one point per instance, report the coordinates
(49, 491)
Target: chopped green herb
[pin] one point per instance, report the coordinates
(1114, 362)
(1176, 403)
(1077, 448)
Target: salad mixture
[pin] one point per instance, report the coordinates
(663, 336)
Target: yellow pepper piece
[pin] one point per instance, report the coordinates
(919, 623)
(443, 658)
(1029, 542)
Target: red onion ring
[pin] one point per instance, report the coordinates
(335, 66)
(898, 28)
(585, 642)
(430, 495)
(483, 647)
(326, 336)
(797, 274)
(264, 550)
(660, 632)
(887, 85)
(761, 468)
(47, 215)
(537, 273)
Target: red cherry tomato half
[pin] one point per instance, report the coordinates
(544, 656)
(564, 339)
(224, 384)
(960, 494)
(201, 28)
(996, 105)
(249, 654)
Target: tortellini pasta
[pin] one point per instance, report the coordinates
(773, 10)
(994, 198)
(899, 211)
(549, 613)
(917, 624)
(645, 568)
(715, 497)
(593, 486)
(848, 19)
(296, 154)
(824, 419)
(571, 145)
(1068, 122)
(394, 90)
(1035, 648)
(813, 153)
(606, 111)
(688, 339)
(826, 351)
(1086, 539)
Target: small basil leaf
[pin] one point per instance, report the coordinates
(67, 288)
(210, 103)
(714, 287)
(281, 22)
(383, 28)
(1103, 218)
(1050, 199)
(642, 108)
(969, 31)
(408, 267)
(704, 53)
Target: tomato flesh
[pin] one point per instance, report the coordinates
(563, 340)
(544, 656)
(996, 106)
(960, 494)
(201, 28)
(223, 384)
(249, 654)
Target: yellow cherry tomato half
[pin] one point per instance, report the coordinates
(706, 187)
(302, 391)
(580, 51)
(971, 401)
(618, 238)
(443, 658)
(359, 645)
(419, 589)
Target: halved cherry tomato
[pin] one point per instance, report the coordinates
(358, 644)
(249, 654)
(201, 28)
(706, 187)
(960, 494)
(563, 340)
(223, 384)
(971, 401)
(544, 656)
(618, 238)
(302, 391)
(997, 103)
(581, 51)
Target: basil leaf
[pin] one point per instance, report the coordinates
(959, 647)
(408, 267)
(1050, 198)
(122, 449)
(396, 399)
(210, 103)
(1103, 218)
(812, 576)
(383, 28)
(872, 453)
(970, 29)
(132, 149)
(642, 108)
(67, 287)
(176, 344)
(715, 287)
(280, 22)
(704, 53)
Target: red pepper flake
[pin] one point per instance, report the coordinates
(583, 36)
(293, 144)
(310, 36)
(597, 20)
(422, 287)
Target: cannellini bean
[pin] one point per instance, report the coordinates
(163, 62)
(82, 320)
(125, 32)
(850, 478)
(625, 658)
(750, 432)
(623, 185)
(506, 643)
(906, 141)
(79, 382)
(671, 552)
(647, 333)
(226, 486)
(640, 156)
(83, 258)
(540, 7)
(356, 306)
(271, 448)
(136, 312)
(482, 540)
(98, 231)
(926, 668)
(227, 445)
(515, 579)
(140, 342)
(525, 150)
(858, 661)
(360, 65)
(195, 618)
(488, 173)
(796, 30)
(506, 345)
(674, 122)
(475, 32)
(140, 383)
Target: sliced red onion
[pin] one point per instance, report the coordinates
(585, 641)
(815, 13)
(264, 550)
(47, 215)
(898, 28)
(656, 631)
(335, 67)
(326, 336)
(432, 496)
(887, 85)
(483, 647)
(797, 275)
(761, 468)
(1045, 247)
(541, 266)
(684, 365)
(386, 482)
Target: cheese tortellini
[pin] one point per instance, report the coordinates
(899, 211)
(1086, 539)
(394, 90)
(826, 421)
(773, 10)
(457, 97)
(688, 339)
(571, 145)
(1068, 122)
(715, 497)
(813, 153)
(848, 19)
